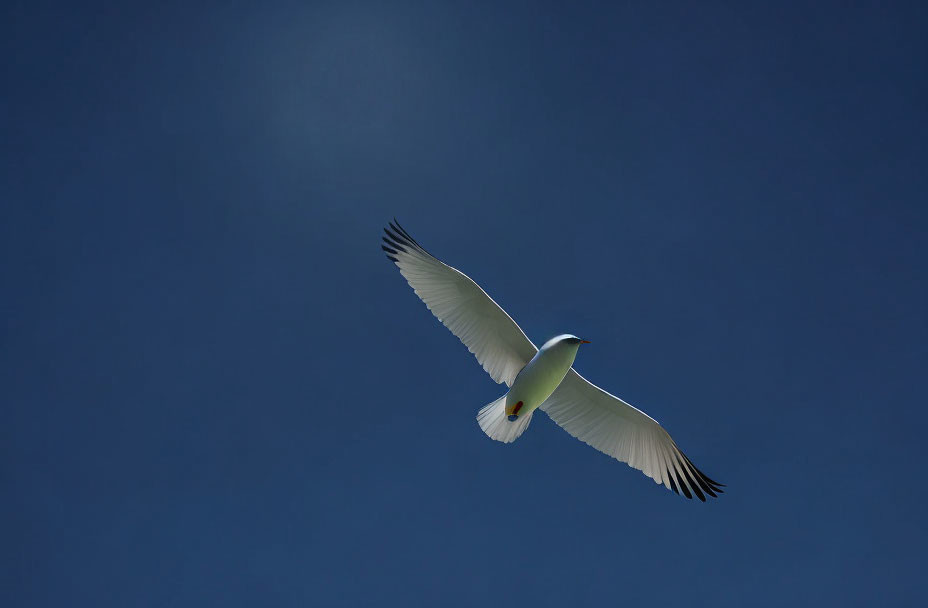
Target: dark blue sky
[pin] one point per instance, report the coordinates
(216, 390)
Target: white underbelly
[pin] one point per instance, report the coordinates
(539, 379)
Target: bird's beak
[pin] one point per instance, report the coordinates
(585, 342)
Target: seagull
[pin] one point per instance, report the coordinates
(540, 378)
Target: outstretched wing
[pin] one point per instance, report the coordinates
(500, 346)
(627, 434)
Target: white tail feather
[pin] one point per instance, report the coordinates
(492, 419)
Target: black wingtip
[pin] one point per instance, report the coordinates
(390, 253)
(395, 239)
(693, 485)
(395, 242)
(686, 478)
(708, 484)
(682, 486)
(404, 237)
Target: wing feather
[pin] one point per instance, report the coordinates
(624, 432)
(499, 345)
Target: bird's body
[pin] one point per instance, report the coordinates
(542, 375)
(541, 378)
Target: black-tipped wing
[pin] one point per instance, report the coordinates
(627, 434)
(500, 346)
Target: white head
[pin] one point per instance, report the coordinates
(564, 340)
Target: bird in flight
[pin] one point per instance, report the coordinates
(541, 378)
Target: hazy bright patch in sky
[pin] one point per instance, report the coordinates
(218, 392)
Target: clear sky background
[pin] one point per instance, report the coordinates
(216, 391)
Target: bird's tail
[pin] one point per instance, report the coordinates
(492, 419)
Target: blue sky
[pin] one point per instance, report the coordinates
(216, 390)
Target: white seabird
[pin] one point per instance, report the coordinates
(541, 378)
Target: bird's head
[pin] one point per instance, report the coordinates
(564, 340)
(575, 340)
